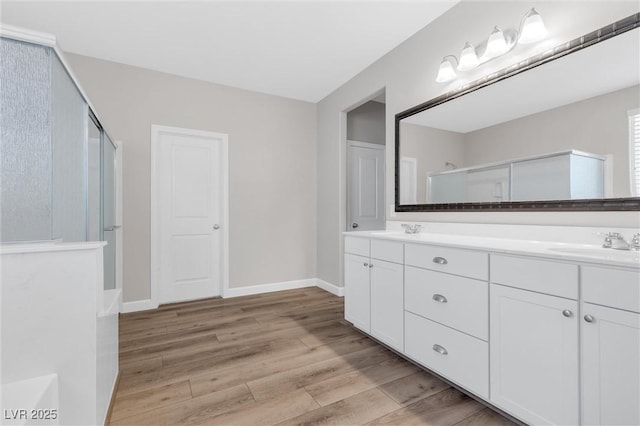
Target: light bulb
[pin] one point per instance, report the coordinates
(533, 28)
(497, 44)
(468, 58)
(445, 72)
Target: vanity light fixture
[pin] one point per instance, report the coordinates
(446, 71)
(531, 29)
(496, 44)
(468, 58)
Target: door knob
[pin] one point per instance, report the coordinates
(216, 226)
(567, 313)
(354, 225)
(589, 318)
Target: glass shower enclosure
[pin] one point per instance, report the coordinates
(57, 163)
(101, 200)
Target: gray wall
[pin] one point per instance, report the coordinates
(432, 148)
(366, 123)
(407, 74)
(272, 166)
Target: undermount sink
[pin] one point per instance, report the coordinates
(599, 252)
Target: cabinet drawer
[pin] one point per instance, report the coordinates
(387, 250)
(555, 278)
(466, 263)
(611, 287)
(457, 356)
(460, 303)
(355, 245)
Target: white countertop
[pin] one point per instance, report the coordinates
(583, 253)
(49, 246)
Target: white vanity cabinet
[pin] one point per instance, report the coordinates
(357, 292)
(534, 355)
(610, 346)
(446, 318)
(534, 339)
(374, 288)
(545, 339)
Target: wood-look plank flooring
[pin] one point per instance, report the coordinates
(280, 358)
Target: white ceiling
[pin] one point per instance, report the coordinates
(296, 49)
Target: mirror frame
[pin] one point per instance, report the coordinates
(606, 204)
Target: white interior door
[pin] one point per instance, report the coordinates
(189, 201)
(409, 180)
(365, 190)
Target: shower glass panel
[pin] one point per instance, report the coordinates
(25, 149)
(93, 182)
(109, 183)
(108, 210)
(68, 136)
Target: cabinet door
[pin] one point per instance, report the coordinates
(534, 355)
(610, 366)
(356, 291)
(387, 303)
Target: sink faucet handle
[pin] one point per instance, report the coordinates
(615, 235)
(610, 234)
(411, 229)
(635, 241)
(608, 242)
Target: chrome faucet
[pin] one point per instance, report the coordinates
(635, 242)
(616, 241)
(411, 229)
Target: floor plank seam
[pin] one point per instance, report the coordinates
(190, 388)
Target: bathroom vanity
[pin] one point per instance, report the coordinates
(543, 322)
(548, 332)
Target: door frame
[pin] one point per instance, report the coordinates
(367, 145)
(156, 131)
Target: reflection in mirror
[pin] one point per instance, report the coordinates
(559, 131)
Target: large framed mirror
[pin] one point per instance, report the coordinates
(560, 131)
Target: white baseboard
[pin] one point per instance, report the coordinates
(331, 288)
(268, 288)
(144, 305)
(138, 305)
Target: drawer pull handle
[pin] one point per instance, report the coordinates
(366, 264)
(371, 265)
(439, 298)
(440, 350)
(567, 313)
(589, 318)
(440, 260)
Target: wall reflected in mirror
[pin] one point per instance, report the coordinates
(559, 131)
